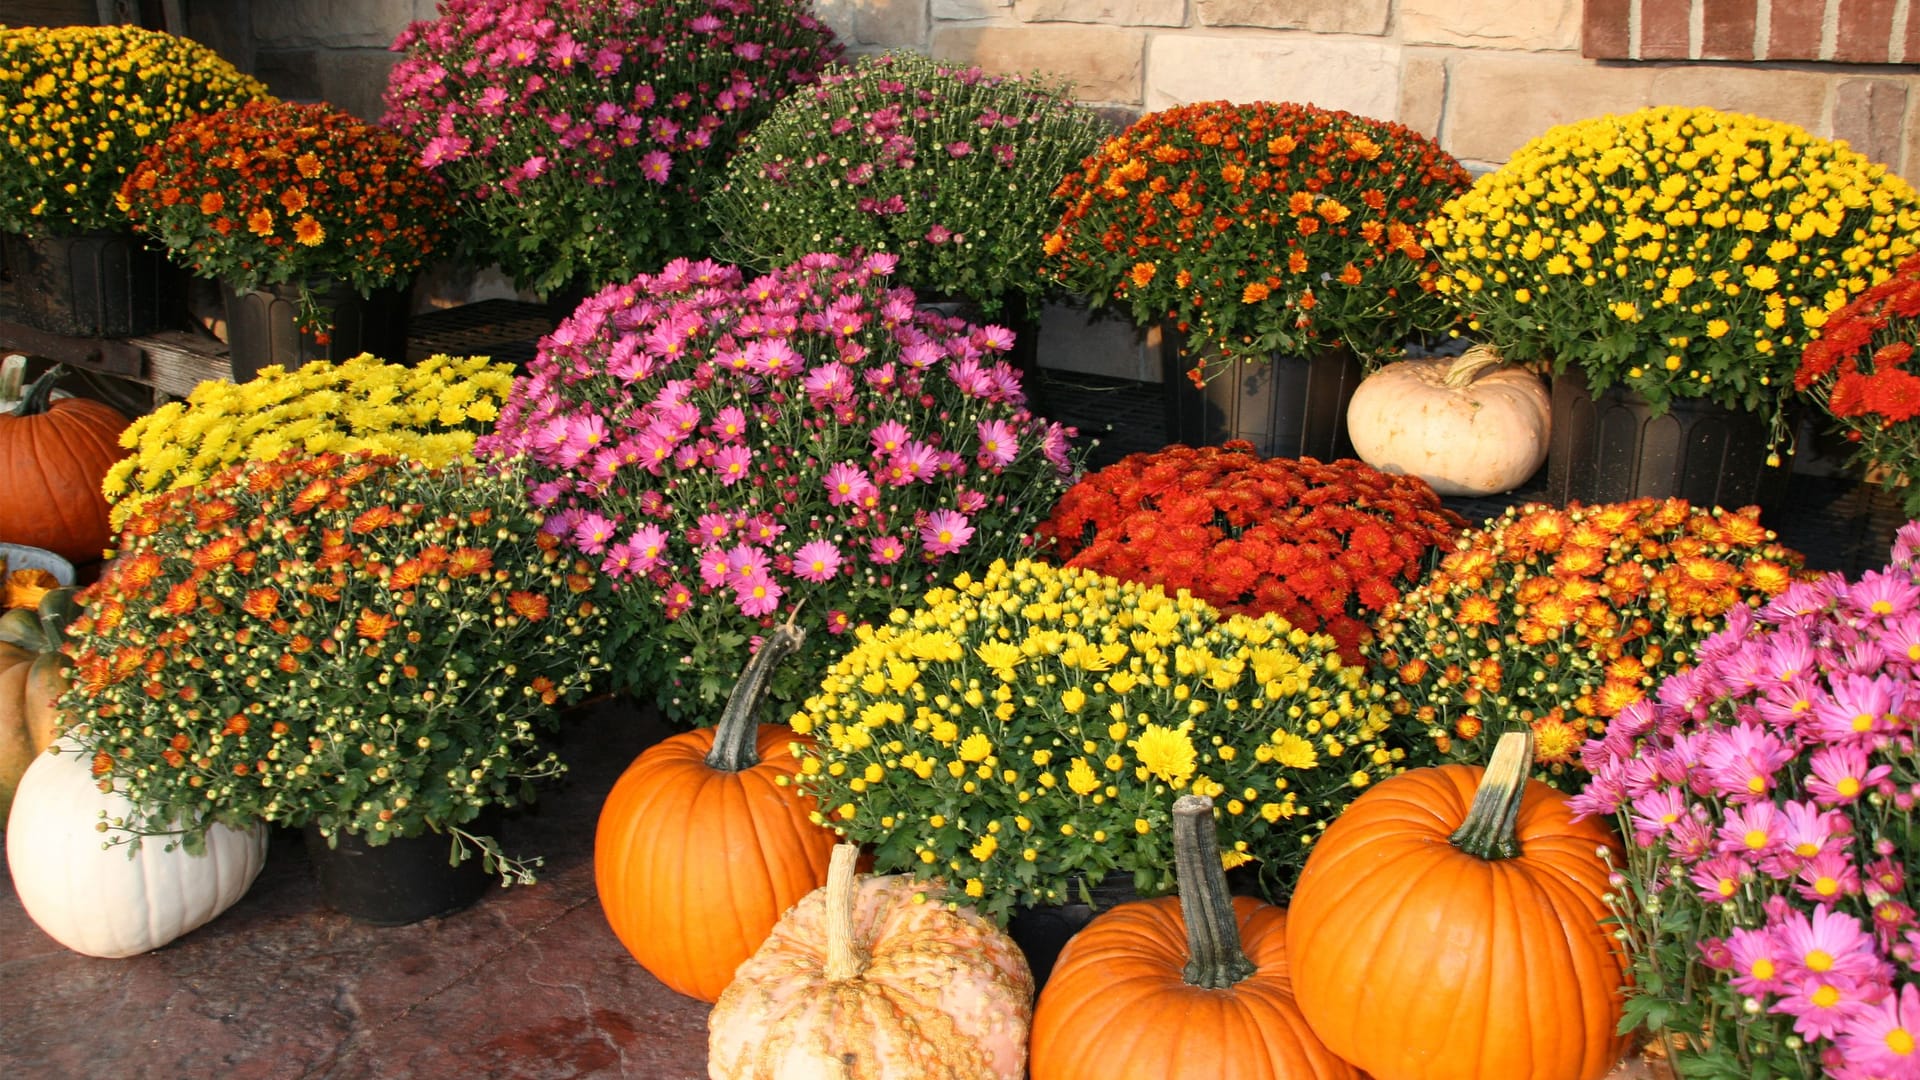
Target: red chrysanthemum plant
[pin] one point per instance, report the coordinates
(1860, 369)
(1326, 545)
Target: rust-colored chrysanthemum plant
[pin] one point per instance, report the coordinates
(1260, 228)
(1327, 546)
(1861, 368)
(1560, 618)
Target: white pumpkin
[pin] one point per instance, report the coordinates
(1471, 426)
(99, 901)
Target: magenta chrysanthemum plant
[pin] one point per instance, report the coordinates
(583, 136)
(805, 445)
(1766, 900)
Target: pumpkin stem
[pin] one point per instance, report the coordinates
(40, 394)
(1213, 930)
(13, 372)
(1470, 364)
(843, 959)
(1489, 831)
(736, 737)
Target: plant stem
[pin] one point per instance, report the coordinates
(1470, 364)
(843, 959)
(1489, 831)
(40, 394)
(735, 739)
(1213, 930)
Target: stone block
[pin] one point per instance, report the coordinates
(837, 14)
(890, 24)
(1498, 101)
(1358, 76)
(1871, 115)
(1423, 93)
(1492, 24)
(1104, 12)
(334, 23)
(354, 79)
(1320, 16)
(293, 74)
(1103, 64)
(962, 10)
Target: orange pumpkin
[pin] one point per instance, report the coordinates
(1180, 988)
(875, 980)
(53, 456)
(1465, 904)
(32, 678)
(703, 843)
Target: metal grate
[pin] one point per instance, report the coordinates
(505, 330)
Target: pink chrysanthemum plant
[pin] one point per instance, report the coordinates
(584, 137)
(805, 444)
(1769, 792)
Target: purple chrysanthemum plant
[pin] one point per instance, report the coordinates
(1766, 900)
(804, 445)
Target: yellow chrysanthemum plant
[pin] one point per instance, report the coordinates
(1683, 252)
(430, 413)
(1024, 732)
(78, 103)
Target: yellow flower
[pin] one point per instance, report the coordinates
(975, 747)
(1081, 779)
(1294, 752)
(1165, 752)
(984, 848)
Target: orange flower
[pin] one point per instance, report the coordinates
(293, 200)
(1254, 293)
(212, 203)
(1142, 274)
(260, 222)
(1478, 610)
(308, 165)
(373, 625)
(529, 606)
(1350, 275)
(261, 603)
(308, 231)
(466, 561)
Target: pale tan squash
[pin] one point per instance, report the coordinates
(875, 980)
(32, 678)
(1471, 426)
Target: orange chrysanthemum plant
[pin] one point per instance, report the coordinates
(1326, 546)
(1861, 368)
(362, 643)
(1261, 228)
(1559, 619)
(273, 192)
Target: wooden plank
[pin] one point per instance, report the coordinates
(49, 13)
(177, 362)
(109, 356)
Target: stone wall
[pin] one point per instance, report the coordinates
(330, 50)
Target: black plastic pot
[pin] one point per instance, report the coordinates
(102, 284)
(401, 881)
(261, 327)
(1043, 930)
(1286, 406)
(1611, 447)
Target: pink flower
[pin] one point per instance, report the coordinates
(713, 528)
(728, 424)
(1827, 877)
(1752, 830)
(838, 622)
(656, 166)
(730, 463)
(911, 463)
(1828, 944)
(676, 599)
(715, 571)
(1860, 707)
(757, 595)
(938, 234)
(945, 532)
(885, 550)
(1881, 595)
(593, 533)
(817, 561)
(1655, 811)
(1822, 1006)
(746, 561)
(889, 437)
(1757, 968)
(1718, 879)
(649, 547)
(1883, 1039)
(846, 483)
(959, 149)
(998, 445)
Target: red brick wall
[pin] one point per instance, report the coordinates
(1862, 31)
